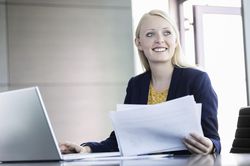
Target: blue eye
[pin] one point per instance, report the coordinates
(149, 34)
(166, 33)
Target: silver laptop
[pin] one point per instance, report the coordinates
(25, 130)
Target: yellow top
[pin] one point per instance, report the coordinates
(155, 97)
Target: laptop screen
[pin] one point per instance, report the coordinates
(26, 133)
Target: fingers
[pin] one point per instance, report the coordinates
(198, 144)
(203, 140)
(64, 148)
(68, 147)
(193, 149)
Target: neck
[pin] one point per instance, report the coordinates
(161, 75)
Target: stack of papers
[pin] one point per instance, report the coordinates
(146, 129)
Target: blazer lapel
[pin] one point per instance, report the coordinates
(174, 83)
(145, 88)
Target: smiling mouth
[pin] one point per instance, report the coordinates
(160, 49)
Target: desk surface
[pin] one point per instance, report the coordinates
(192, 160)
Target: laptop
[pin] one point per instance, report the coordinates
(26, 131)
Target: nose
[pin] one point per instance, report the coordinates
(159, 38)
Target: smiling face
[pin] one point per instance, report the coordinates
(157, 39)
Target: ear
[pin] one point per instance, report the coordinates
(138, 44)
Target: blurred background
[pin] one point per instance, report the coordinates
(81, 54)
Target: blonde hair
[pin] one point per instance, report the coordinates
(177, 57)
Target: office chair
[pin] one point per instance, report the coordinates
(241, 143)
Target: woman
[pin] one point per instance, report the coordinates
(166, 77)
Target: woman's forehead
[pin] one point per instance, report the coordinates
(154, 22)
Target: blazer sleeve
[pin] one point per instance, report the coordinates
(109, 144)
(205, 94)
(129, 96)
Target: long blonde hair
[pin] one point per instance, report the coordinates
(177, 57)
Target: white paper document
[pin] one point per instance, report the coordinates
(145, 129)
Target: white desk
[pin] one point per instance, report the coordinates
(193, 160)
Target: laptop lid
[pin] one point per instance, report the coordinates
(26, 132)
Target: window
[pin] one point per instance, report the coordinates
(213, 39)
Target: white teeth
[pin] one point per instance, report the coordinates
(159, 49)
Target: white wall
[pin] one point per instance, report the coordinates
(79, 53)
(246, 27)
(3, 48)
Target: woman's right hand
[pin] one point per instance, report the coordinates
(68, 147)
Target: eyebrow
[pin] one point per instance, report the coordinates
(167, 28)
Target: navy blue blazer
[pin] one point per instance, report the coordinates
(185, 81)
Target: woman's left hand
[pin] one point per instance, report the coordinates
(198, 144)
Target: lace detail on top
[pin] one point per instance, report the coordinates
(155, 97)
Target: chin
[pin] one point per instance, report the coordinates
(161, 60)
